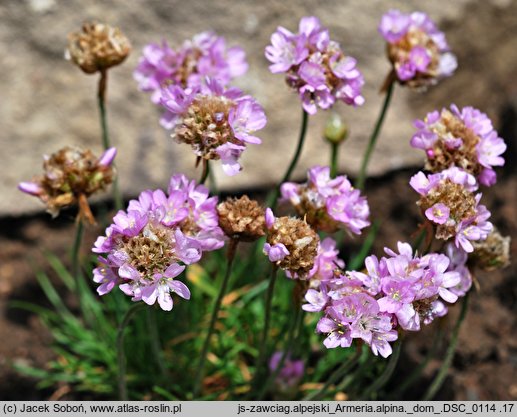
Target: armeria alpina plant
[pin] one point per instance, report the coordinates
(327, 328)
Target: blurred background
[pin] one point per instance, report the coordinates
(48, 103)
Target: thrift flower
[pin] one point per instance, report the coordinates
(70, 176)
(216, 122)
(416, 48)
(98, 47)
(205, 55)
(449, 202)
(315, 66)
(291, 244)
(149, 244)
(463, 138)
(328, 204)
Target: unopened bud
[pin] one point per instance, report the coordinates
(336, 131)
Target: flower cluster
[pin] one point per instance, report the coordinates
(448, 201)
(70, 176)
(416, 48)
(216, 122)
(328, 204)
(463, 138)
(492, 253)
(148, 245)
(315, 66)
(291, 244)
(399, 290)
(205, 55)
(98, 47)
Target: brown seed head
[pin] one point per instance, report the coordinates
(492, 253)
(71, 175)
(205, 126)
(242, 219)
(461, 203)
(97, 47)
(300, 240)
(444, 157)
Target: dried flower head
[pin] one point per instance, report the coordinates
(448, 200)
(291, 244)
(242, 219)
(97, 47)
(328, 204)
(70, 176)
(416, 48)
(315, 66)
(464, 138)
(493, 253)
(205, 55)
(216, 122)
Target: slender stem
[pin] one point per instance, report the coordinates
(285, 353)
(122, 385)
(336, 375)
(294, 161)
(386, 374)
(333, 159)
(449, 355)
(267, 319)
(101, 98)
(213, 182)
(76, 249)
(206, 171)
(217, 306)
(154, 337)
(373, 138)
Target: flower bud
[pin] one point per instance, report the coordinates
(336, 131)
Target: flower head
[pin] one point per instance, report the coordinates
(242, 219)
(328, 204)
(492, 253)
(216, 122)
(416, 48)
(70, 176)
(148, 245)
(291, 244)
(205, 55)
(315, 66)
(97, 47)
(448, 201)
(463, 138)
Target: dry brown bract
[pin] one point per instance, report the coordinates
(493, 253)
(242, 219)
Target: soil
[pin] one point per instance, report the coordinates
(484, 367)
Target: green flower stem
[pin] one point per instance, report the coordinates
(449, 355)
(303, 130)
(288, 349)
(122, 384)
(386, 374)
(154, 337)
(215, 312)
(259, 371)
(206, 171)
(373, 138)
(336, 375)
(76, 249)
(334, 159)
(101, 98)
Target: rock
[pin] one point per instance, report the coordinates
(49, 103)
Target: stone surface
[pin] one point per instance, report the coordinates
(48, 103)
